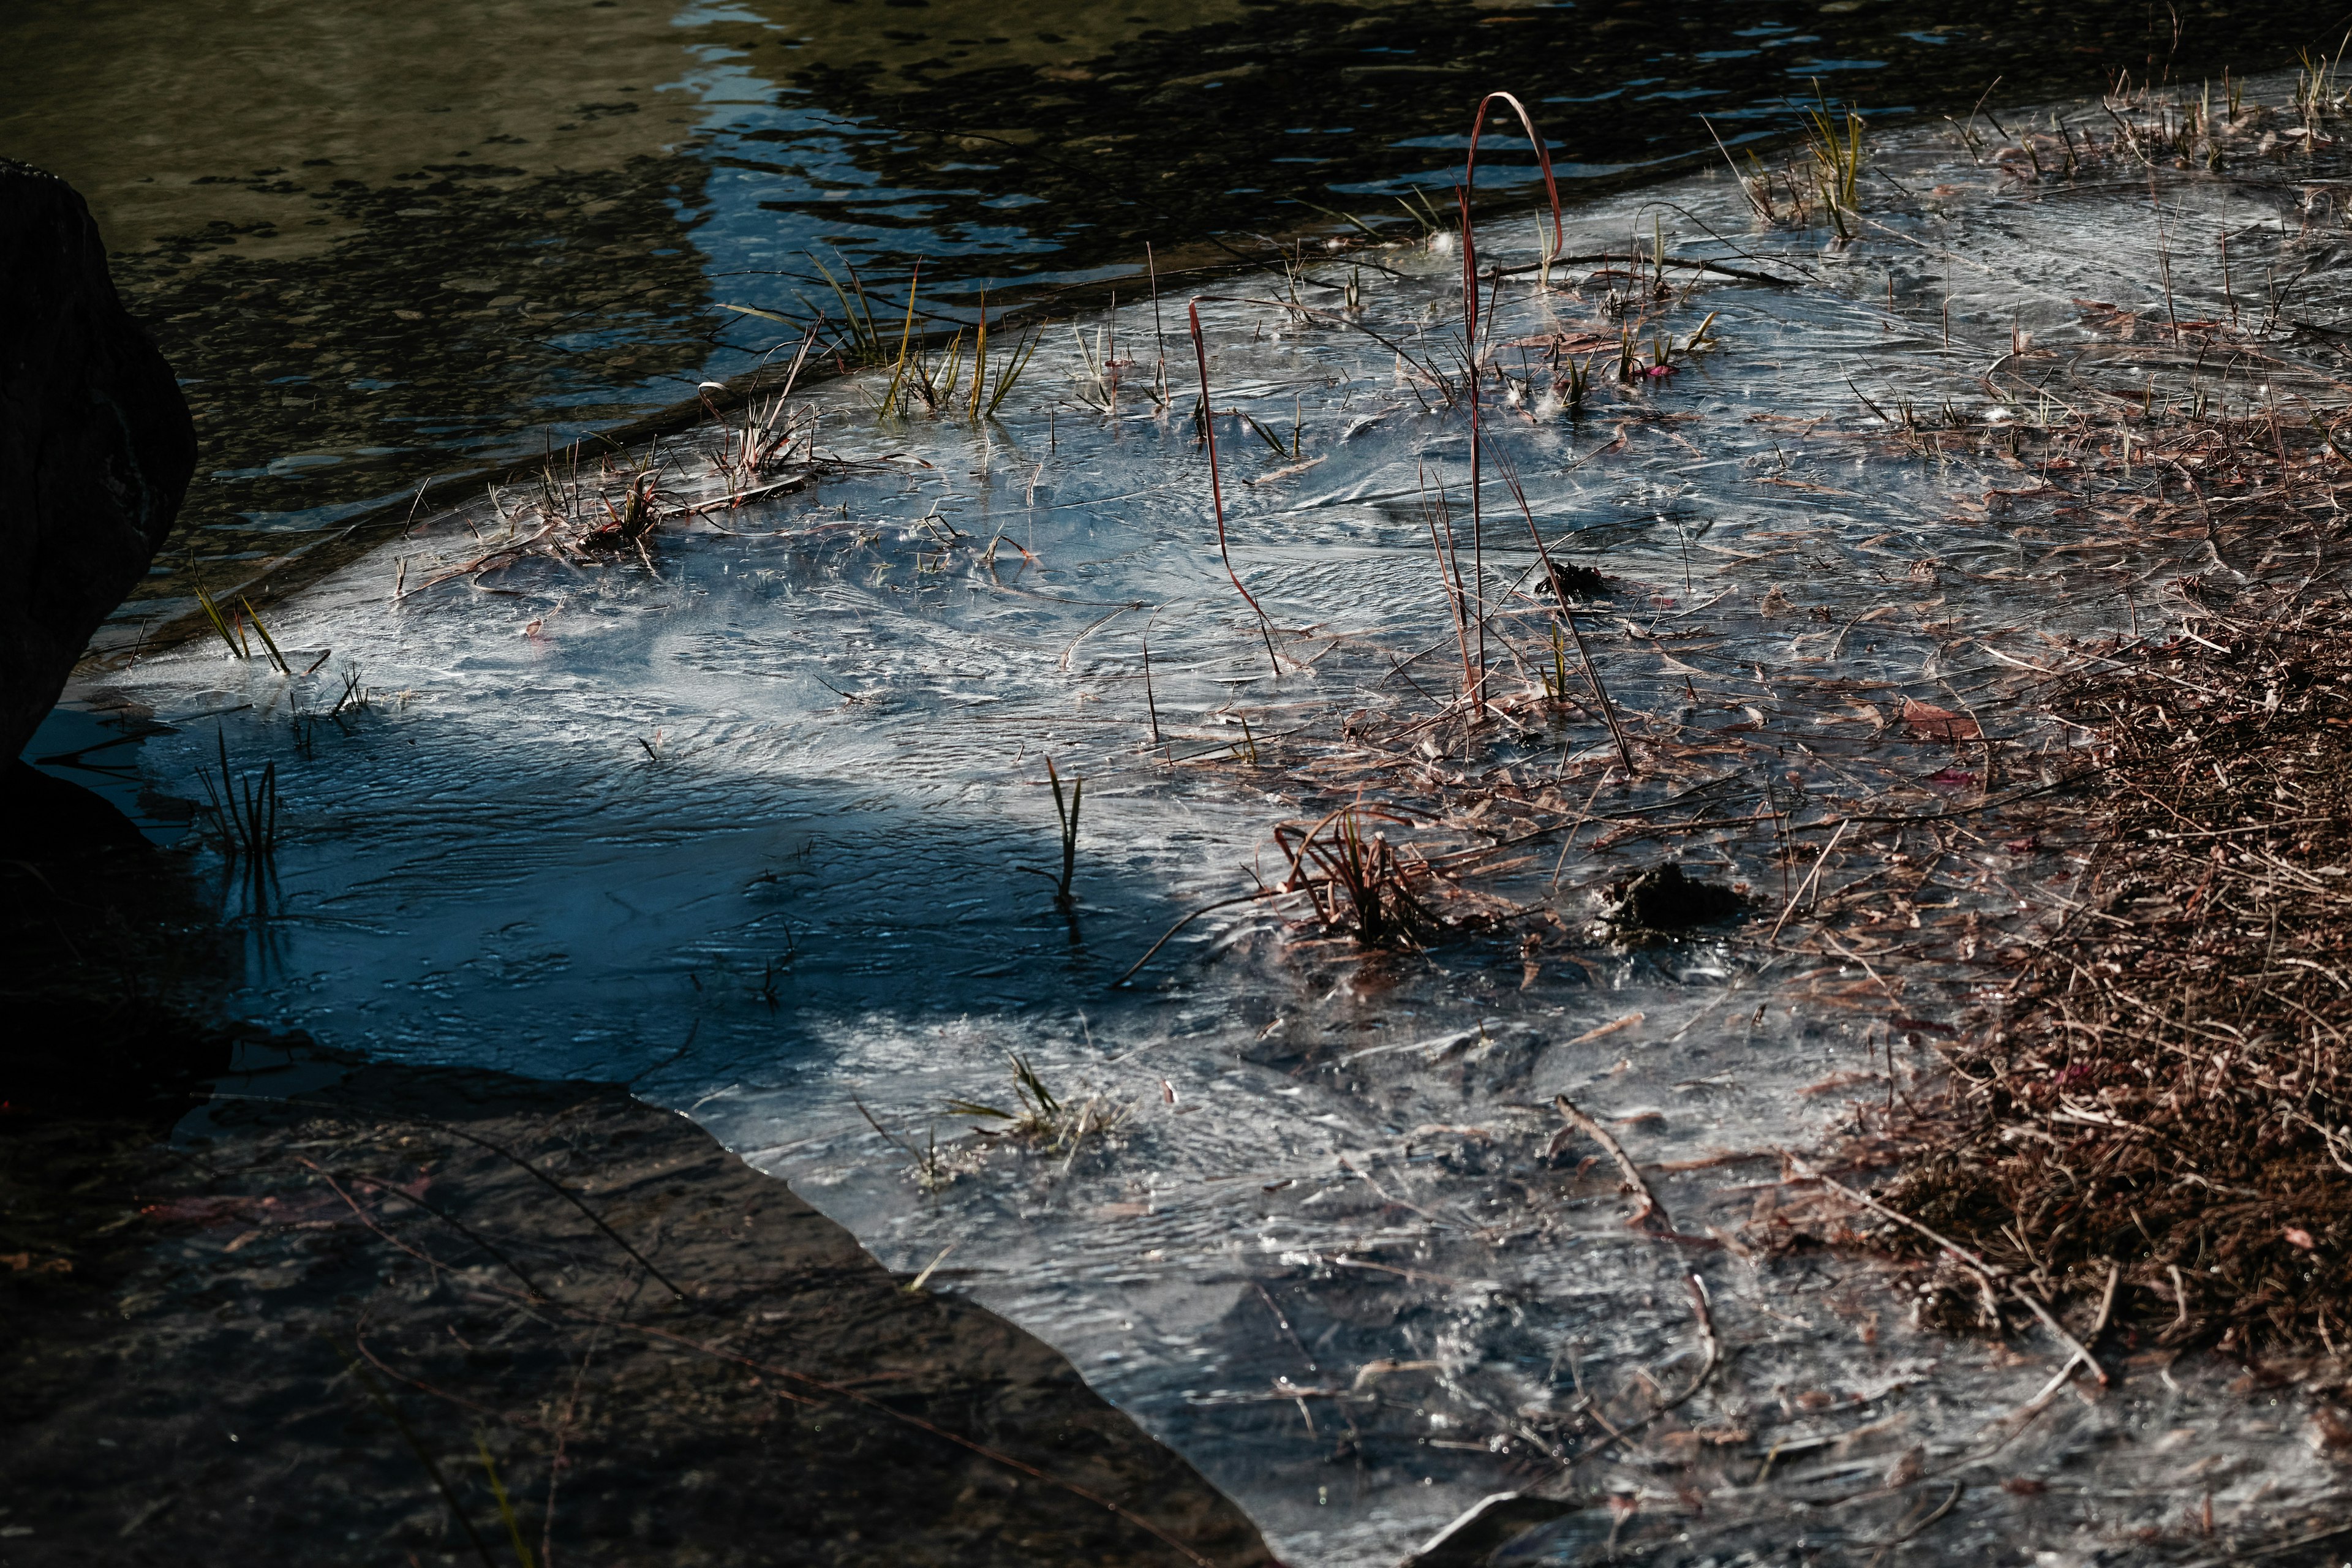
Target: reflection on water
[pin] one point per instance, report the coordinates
(382, 242)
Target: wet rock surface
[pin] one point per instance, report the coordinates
(94, 435)
(332, 1331)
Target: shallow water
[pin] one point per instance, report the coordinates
(380, 244)
(750, 824)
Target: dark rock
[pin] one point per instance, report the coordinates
(1663, 899)
(77, 1053)
(1475, 1539)
(184, 1321)
(44, 817)
(96, 444)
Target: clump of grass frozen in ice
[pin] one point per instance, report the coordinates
(1823, 182)
(1047, 1122)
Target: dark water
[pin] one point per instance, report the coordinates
(382, 242)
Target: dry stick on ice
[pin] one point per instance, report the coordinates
(1217, 488)
(1632, 1173)
(1168, 935)
(1789, 908)
(1987, 1273)
(1710, 1345)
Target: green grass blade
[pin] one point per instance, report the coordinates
(1267, 437)
(1344, 217)
(267, 640)
(506, 1507)
(212, 614)
(1010, 377)
(755, 311)
(979, 357)
(848, 316)
(906, 336)
(955, 368)
(873, 335)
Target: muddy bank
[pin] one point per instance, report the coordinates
(334, 1331)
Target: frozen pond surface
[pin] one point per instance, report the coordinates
(747, 822)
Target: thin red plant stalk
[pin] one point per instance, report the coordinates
(1543, 160)
(1216, 484)
(1478, 693)
(1470, 338)
(1592, 671)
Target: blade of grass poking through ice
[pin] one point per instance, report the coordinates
(235, 836)
(864, 306)
(1837, 158)
(1543, 555)
(1470, 337)
(980, 358)
(1069, 815)
(212, 614)
(955, 367)
(1216, 484)
(1010, 376)
(1756, 204)
(1344, 217)
(1281, 452)
(906, 336)
(267, 641)
(1043, 1103)
(1158, 331)
(506, 1507)
(1433, 223)
(867, 341)
(218, 803)
(259, 828)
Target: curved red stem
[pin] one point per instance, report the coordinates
(1217, 482)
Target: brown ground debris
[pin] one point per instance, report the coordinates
(2164, 1088)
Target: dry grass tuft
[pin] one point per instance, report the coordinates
(2168, 1091)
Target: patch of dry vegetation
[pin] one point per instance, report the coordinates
(2165, 1094)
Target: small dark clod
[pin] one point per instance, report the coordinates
(1663, 899)
(1571, 580)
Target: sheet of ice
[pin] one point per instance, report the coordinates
(755, 823)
